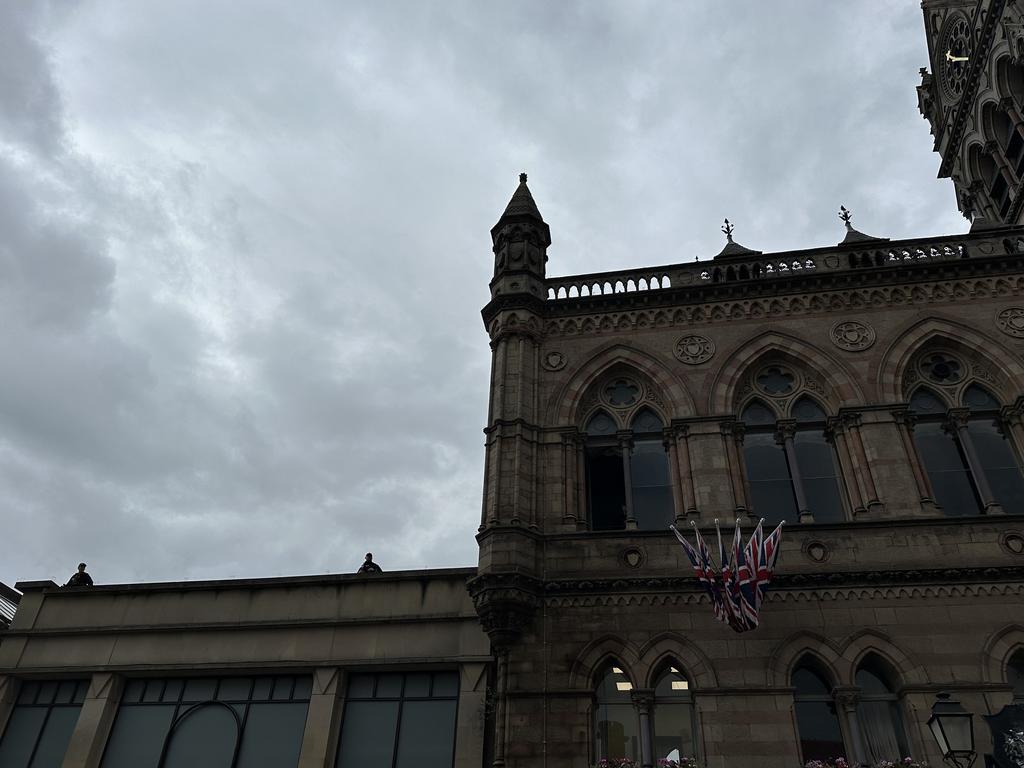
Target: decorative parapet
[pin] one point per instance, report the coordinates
(787, 265)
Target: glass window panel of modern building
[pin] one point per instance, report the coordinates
(817, 722)
(40, 725)
(394, 720)
(231, 722)
(628, 477)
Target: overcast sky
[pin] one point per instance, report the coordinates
(244, 246)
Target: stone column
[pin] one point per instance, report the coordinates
(956, 423)
(852, 421)
(835, 433)
(905, 419)
(684, 472)
(8, 695)
(1007, 106)
(994, 149)
(626, 448)
(96, 718)
(784, 436)
(320, 738)
(582, 517)
(732, 439)
(643, 700)
(469, 730)
(1011, 422)
(981, 196)
(569, 463)
(501, 709)
(846, 699)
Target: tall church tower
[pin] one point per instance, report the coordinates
(974, 99)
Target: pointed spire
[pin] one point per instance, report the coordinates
(522, 203)
(732, 248)
(852, 235)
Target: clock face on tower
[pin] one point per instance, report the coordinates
(954, 53)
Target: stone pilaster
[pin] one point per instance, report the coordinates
(320, 738)
(96, 718)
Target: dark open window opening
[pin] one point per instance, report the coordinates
(821, 738)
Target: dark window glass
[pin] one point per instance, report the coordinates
(1015, 675)
(673, 718)
(402, 725)
(273, 735)
(368, 734)
(606, 482)
(998, 463)
(947, 470)
(771, 488)
(205, 735)
(40, 725)
(427, 735)
(647, 421)
(816, 459)
(360, 687)
(978, 399)
(806, 409)
(601, 424)
(622, 392)
(925, 401)
(651, 486)
(817, 722)
(758, 413)
(776, 380)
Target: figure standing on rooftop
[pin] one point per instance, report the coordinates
(80, 579)
(369, 566)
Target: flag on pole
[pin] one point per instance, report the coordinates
(737, 585)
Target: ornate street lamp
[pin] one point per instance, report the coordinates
(953, 729)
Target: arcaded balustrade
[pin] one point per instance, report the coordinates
(873, 255)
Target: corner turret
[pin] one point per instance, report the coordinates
(521, 239)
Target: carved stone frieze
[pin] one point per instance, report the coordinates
(841, 300)
(852, 335)
(694, 349)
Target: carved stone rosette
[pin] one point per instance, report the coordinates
(852, 335)
(1011, 322)
(694, 349)
(506, 604)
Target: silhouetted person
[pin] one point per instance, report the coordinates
(80, 579)
(369, 566)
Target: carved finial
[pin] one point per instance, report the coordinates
(727, 230)
(522, 178)
(846, 216)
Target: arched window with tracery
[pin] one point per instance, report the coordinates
(879, 717)
(616, 725)
(821, 737)
(788, 456)
(628, 474)
(673, 720)
(962, 440)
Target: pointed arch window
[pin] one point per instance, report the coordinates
(821, 737)
(629, 482)
(878, 712)
(616, 725)
(966, 453)
(673, 721)
(790, 464)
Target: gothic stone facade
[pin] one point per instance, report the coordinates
(890, 568)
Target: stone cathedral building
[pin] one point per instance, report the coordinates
(869, 392)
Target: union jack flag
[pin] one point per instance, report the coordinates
(737, 589)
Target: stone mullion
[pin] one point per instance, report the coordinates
(685, 471)
(984, 200)
(675, 476)
(857, 441)
(582, 518)
(905, 421)
(995, 150)
(569, 463)
(784, 436)
(626, 448)
(1011, 421)
(957, 422)
(846, 698)
(847, 468)
(643, 700)
(732, 438)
